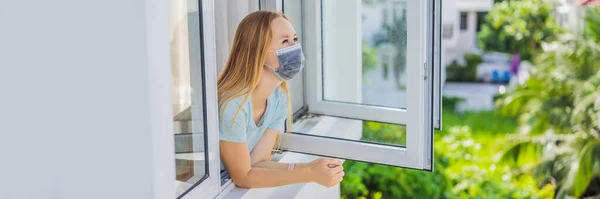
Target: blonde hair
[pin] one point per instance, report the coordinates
(244, 65)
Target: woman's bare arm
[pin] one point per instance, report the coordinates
(261, 154)
(237, 161)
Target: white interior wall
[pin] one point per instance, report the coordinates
(86, 100)
(228, 14)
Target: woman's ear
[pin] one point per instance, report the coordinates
(272, 60)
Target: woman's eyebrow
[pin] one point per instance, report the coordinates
(287, 36)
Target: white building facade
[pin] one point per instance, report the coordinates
(468, 15)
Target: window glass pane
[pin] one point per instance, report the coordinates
(383, 133)
(364, 52)
(373, 132)
(292, 8)
(187, 94)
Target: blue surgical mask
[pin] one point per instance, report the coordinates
(291, 62)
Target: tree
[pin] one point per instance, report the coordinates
(592, 20)
(518, 27)
(560, 105)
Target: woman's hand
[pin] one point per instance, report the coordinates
(326, 171)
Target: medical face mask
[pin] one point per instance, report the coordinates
(291, 62)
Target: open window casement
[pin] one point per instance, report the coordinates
(192, 46)
(376, 62)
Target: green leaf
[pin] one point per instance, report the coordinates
(588, 165)
(523, 151)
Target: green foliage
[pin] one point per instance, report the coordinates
(364, 180)
(474, 172)
(518, 26)
(558, 109)
(556, 151)
(588, 165)
(450, 103)
(385, 133)
(480, 123)
(592, 29)
(569, 161)
(473, 59)
(369, 58)
(455, 72)
(465, 164)
(464, 73)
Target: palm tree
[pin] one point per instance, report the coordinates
(559, 109)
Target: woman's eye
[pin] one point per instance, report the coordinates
(285, 41)
(296, 39)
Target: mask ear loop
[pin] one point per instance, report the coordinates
(268, 64)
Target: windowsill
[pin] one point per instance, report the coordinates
(317, 126)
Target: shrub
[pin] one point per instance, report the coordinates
(465, 164)
(451, 103)
(464, 73)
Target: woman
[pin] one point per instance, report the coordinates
(254, 103)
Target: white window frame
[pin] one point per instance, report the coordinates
(419, 117)
(416, 57)
(437, 63)
(417, 153)
(209, 187)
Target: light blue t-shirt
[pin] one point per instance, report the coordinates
(244, 128)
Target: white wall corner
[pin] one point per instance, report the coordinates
(158, 49)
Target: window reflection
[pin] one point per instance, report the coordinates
(364, 52)
(188, 121)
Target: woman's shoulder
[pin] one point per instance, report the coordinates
(280, 109)
(280, 95)
(236, 103)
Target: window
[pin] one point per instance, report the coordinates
(355, 51)
(373, 61)
(194, 111)
(463, 20)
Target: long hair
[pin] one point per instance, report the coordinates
(244, 65)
